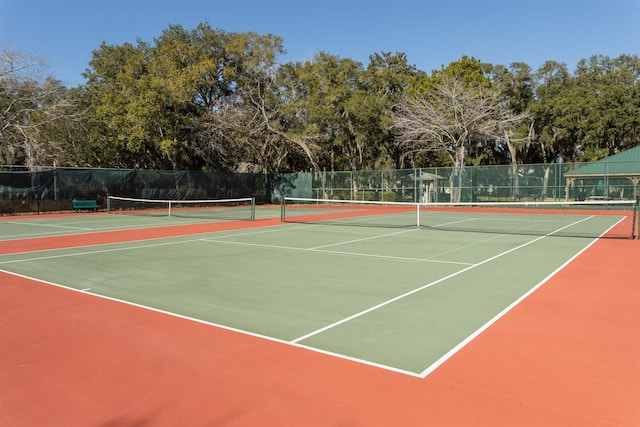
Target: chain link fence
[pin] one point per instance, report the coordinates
(53, 189)
(531, 182)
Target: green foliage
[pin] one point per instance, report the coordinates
(390, 196)
(590, 115)
(204, 98)
(468, 69)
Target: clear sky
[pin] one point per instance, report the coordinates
(432, 33)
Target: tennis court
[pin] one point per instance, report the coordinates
(353, 283)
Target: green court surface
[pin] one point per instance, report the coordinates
(401, 299)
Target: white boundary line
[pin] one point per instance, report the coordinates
(507, 309)
(271, 228)
(295, 342)
(162, 222)
(49, 225)
(399, 297)
(216, 325)
(357, 254)
(413, 291)
(213, 240)
(362, 239)
(90, 230)
(91, 252)
(498, 316)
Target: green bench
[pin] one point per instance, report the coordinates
(91, 205)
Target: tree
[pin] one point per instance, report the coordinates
(30, 103)
(253, 122)
(609, 90)
(515, 85)
(385, 80)
(167, 104)
(214, 100)
(330, 85)
(120, 110)
(589, 115)
(451, 118)
(554, 114)
(293, 92)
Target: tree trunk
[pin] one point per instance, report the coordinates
(514, 165)
(456, 177)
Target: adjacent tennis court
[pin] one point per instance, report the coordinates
(388, 286)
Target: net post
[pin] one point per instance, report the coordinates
(108, 204)
(418, 215)
(169, 211)
(282, 209)
(253, 209)
(634, 220)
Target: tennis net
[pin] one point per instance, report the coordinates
(611, 219)
(223, 209)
